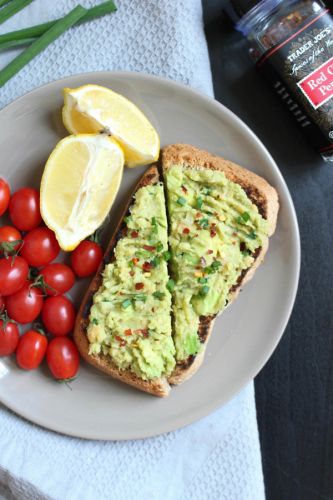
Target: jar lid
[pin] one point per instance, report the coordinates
(256, 13)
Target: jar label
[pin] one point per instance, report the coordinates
(300, 69)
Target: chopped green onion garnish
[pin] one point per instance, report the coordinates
(207, 191)
(156, 261)
(131, 264)
(216, 264)
(140, 297)
(204, 290)
(166, 255)
(202, 280)
(159, 246)
(127, 219)
(126, 303)
(245, 217)
(154, 221)
(158, 295)
(252, 235)
(94, 321)
(204, 223)
(181, 201)
(170, 285)
(198, 203)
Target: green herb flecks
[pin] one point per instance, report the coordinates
(170, 285)
(181, 201)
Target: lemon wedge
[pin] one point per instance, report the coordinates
(92, 109)
(79, 185)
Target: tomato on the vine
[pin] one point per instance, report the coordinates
(4, 196)
(9, 336)
(31, 349)
(58, 315)
(25, 305)
(24, 209)
(86, 258)
(10, 239)
(62, 358)
(40, 247)
(13, 274)
(58, 278)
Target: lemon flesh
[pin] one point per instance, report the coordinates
(92, 109)
(79, 185)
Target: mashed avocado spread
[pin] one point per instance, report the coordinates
(214, 232)
(130, 319)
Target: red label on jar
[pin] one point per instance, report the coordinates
(318, 85)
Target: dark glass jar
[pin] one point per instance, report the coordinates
(291, 42)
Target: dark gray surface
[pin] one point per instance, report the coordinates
(294, 391)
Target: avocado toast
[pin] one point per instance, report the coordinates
(124, 324)
(220, 217)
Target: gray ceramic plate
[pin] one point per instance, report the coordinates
(244, 336)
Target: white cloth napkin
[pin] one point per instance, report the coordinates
(216, 458)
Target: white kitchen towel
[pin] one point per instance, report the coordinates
(216, 458)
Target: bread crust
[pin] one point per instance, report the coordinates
(159, 386)
(261, 193)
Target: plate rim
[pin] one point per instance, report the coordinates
(200, 412)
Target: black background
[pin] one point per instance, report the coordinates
(294, 391)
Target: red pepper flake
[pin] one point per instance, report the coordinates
(184, 189)
(210, 252)
(142, 331)
(135, 261)
(147, 266)
(186, 230)
(128, 332)
(149, 248)
(139, 286)
(132, 273)
(212, 233)
(122, 342)
(134, 234)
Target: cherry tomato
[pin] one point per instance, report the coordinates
(2, 303)
(24, 209)
(58, 315)
(9, 337)
(59, 278)
(25, 305)
(62, 358)
(86, 258)
(31, 350)
(9, 234)
(40, 247)
(13, 274)
(4, 196)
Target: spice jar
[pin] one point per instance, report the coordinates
(291, 42)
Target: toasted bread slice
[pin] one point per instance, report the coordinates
(260, 193)
(159, 386)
